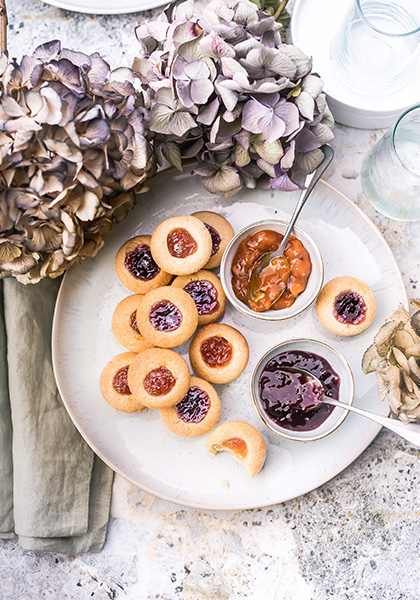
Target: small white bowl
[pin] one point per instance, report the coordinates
(305, 299)
(346, 390)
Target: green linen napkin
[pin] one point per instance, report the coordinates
(54, 492)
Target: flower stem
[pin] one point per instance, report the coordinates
(280, 9)
(3, 26)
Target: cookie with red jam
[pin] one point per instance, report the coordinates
(181, 245)
(244, 441)
(221, 232)
(136, 268)
(158, 378)
(197, 413)
(124, 324)
(114, 384)
(346, 306)
(167, 317)
(219, 353)
(206, 290)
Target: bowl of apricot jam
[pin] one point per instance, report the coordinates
(299, 278)
(283, 390)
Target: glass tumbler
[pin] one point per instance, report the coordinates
(391, 171)
(376, 48)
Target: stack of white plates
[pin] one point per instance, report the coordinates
(313, 27)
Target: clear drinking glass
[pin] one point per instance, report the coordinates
(376, 47)
(391, 171)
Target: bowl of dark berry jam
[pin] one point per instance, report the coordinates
(295, 281)
(288, 382)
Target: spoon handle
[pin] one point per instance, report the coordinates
(409, 431)
(310, 183)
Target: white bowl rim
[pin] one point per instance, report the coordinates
(287, 433)
(271, 315)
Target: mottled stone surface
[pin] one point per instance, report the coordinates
(355, 537)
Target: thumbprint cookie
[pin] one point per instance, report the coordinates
(218, 353)
(197, 413)
(114, 384)
(136, 268)
(221, 232)
(158, 378)
(346, 306)
(124, 324)
(167, 317)
(181, 245)
(243, 440)
(206, 290)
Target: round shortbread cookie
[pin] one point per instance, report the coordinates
(206, 290)
(197, 413)
(181, 245)
(124, 324)
(158, 377)
(167, 317)
(219, 353)
(346, 306)
(243, 440)
(136, 268)
(221, 232)
(114, 384)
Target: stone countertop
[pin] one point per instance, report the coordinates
(356, 536)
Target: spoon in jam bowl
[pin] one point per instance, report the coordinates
(313, 395)
(271, 272)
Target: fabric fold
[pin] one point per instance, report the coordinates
(61, 491)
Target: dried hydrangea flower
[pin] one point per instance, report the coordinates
(74, 147)
(395, 357)
(223, 88)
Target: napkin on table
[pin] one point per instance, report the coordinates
(54, 491)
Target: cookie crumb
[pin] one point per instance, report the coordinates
(225, 484)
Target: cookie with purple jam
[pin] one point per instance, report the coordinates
(124, 324)
(221, 232)
(181, 245)
(167, 317)
(136, 268)
(206, 290)
(346, 306)
(114, 384)
(219, 353)
(197, 413)
(158, 378)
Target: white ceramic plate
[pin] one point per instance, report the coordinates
(139, 446)
(106, 7)
(312, 28)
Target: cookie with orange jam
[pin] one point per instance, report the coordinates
(114, 384)
(181, 245)
(197, 413)
(219, 353)
(243, 440)
(158, 378)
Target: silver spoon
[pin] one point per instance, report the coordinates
(268, 258)
(409, 431)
